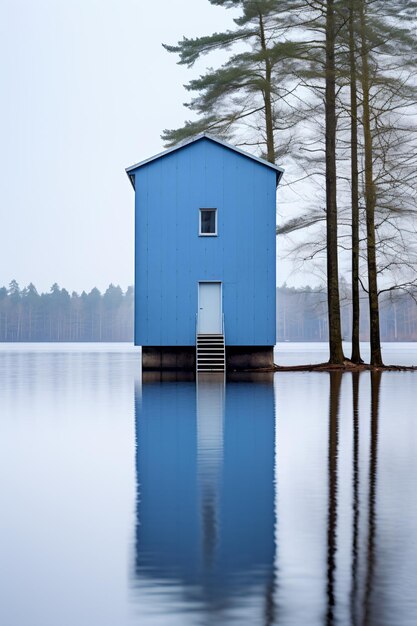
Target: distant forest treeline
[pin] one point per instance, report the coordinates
(302, 315)
(26, 315)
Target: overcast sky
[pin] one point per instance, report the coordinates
(86, 91)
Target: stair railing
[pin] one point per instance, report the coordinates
(224, 345)
(196, 344)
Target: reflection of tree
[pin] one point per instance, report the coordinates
(335, 383)
(365, 615)
(373, 462)
(355, 471)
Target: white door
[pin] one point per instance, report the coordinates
(209, 308)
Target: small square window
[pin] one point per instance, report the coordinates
(208, 222)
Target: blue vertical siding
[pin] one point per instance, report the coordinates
(171, 258)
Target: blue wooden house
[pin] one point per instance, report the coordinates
(205, 250)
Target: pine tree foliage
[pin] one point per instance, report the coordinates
(250, 98)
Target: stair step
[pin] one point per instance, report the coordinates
(210, 353)
(209, 340)
(210, 348)
(208, 363)
(214, 340)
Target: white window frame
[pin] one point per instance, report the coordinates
(200, 234)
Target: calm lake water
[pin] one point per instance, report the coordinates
(283, 499)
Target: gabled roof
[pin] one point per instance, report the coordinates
(279, 170)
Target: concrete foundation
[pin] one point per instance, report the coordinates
(168, 358)
(182, 358)
(249, 357)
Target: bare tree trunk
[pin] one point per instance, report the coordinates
(370, 201)
(356, 353)
(335, 334)
(356, 502)
(269, 126)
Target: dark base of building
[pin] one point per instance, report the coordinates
(182, 358)
(168, 358)
(249, 357)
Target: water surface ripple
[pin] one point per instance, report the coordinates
(155, 500)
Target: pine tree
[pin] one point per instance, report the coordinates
(356, 351)
(387, 54)
(333, 299)
(249, 98)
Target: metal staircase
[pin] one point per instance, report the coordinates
(211, 356)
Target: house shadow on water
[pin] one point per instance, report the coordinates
(204, 542)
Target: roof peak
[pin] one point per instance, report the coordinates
(205, 135)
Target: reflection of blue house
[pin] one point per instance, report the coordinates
(205, 255)
(205, 504)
